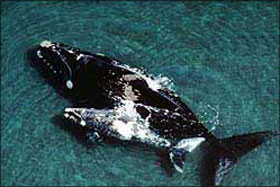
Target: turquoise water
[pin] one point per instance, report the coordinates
(222, 56)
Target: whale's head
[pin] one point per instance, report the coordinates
(56, 62)
(72, 72)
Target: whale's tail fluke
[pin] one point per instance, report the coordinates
(220, 157)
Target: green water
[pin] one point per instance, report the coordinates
(222, 56)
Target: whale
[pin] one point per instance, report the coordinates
(111, 100)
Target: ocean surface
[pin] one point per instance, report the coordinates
(223, 58)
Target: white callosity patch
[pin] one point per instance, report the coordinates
(39, 54)
(69, 84)
(46, 43)
(83, 123)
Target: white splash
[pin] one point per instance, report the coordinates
(123, 120)
(134, 126)
(124, 129)
(155, 82)
(210, 115)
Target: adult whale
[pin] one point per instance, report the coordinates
(113, 100)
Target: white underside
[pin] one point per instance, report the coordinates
(189, 144)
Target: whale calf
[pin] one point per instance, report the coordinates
(111, 100)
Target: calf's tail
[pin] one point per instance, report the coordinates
(222, 155)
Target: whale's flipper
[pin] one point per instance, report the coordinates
(221, 157)
(178, 153)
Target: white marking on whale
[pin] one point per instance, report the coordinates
(79, 56)
(69, 84)
(39, 54)
(46, 43)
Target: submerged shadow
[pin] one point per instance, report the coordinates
(72, 129)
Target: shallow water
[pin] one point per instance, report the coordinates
(223, 58)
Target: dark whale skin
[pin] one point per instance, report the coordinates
(97, 81)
